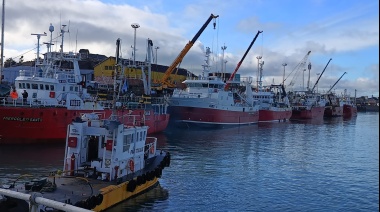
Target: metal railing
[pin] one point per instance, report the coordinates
(35, 199)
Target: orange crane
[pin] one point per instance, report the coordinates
(164, 81)
(226, 87)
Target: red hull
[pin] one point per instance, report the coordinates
(23, 125)
(271, 115)
(350, 110)
(313, 113)
(212, 117)
(333, 111)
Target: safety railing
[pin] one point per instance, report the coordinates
(35, 199)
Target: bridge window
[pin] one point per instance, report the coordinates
(127, 142)
(27, 85)
(52, 87)
(41, 86)
(34, 86)
(47, 87)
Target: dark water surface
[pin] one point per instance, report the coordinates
(332, 165)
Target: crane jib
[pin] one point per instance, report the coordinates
(182, 54)
(321, 75)
(242, 59)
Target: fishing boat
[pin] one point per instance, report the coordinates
(152, 110)
(206, 103)
(274, 104)
(273, 101)
(334, 107)
(56, 95)
(307, 105)
(349, 107)
(106, 161)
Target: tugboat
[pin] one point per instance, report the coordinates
(105, 163)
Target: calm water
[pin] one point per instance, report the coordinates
(294, 166)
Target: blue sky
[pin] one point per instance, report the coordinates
(346, 31)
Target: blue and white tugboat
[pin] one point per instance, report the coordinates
(105, 163)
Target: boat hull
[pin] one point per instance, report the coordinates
(350, 111)
(333, 111)
(213, 118)
(274, 115)
(28, 125)
(300, 112)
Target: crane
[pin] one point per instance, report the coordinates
(300, 66)
(242, 59)
(336, 82)
(320, 75)
(164, 81)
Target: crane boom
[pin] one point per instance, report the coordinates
(184, 51)
(300, 66)
(241, 61)
(336, 82)
(321, 75)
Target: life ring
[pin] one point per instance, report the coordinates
(131, 164)
(14, 95)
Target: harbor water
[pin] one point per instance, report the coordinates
(331, 165)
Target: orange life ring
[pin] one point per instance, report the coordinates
(131, 165)
(14, 95)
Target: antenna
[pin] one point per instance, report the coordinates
(38, 45)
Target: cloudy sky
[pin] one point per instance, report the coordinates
(345, 31)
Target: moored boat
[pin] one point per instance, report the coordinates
(205, 102)
(273, 101)
(273, 106)
(105, 163)
(56, 96)
(306, 105)
(334, 107)
(349, 107)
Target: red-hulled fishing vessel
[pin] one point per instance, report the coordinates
(55, 97)
(308, 104)
(212, 101)
(206, 103)
(273, 105)
(273, 101)
(349, 107)
(334, 106)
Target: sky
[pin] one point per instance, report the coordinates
(345, 31)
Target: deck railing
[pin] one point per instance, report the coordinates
(35, 199)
